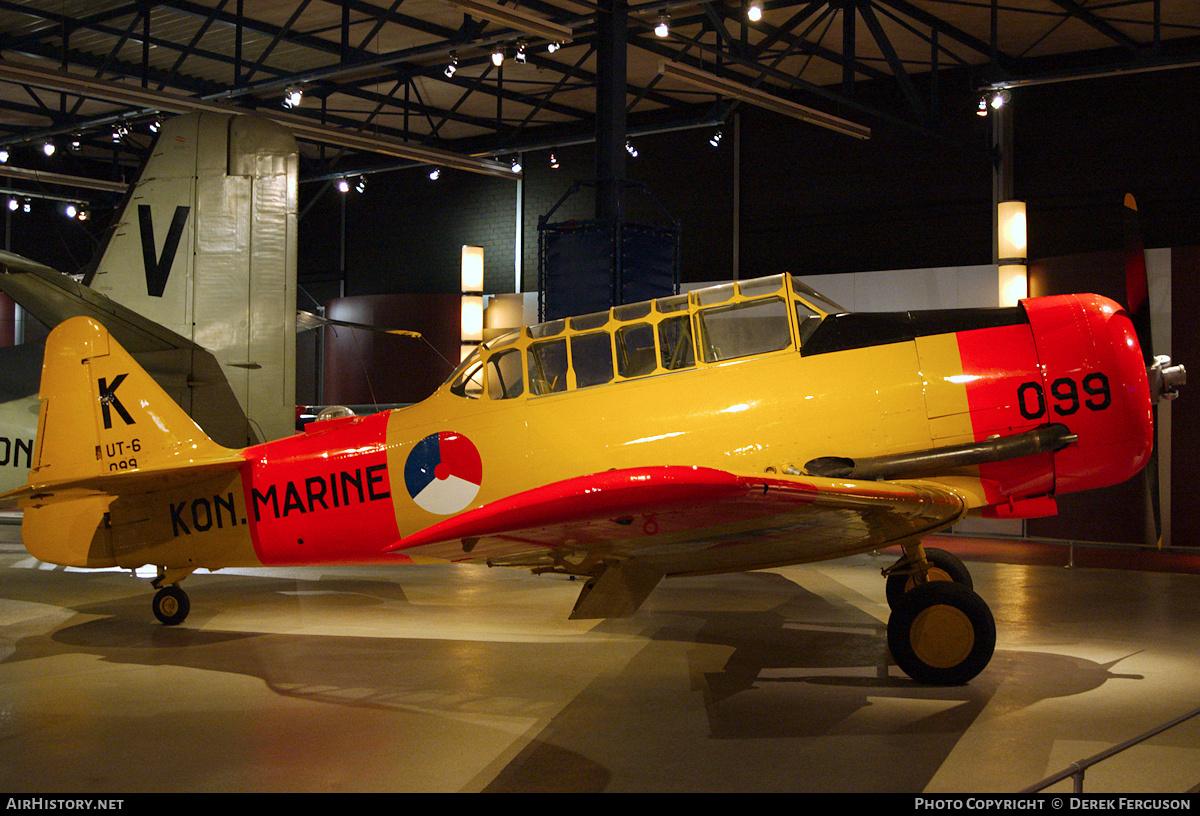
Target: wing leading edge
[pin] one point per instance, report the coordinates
(647, 523)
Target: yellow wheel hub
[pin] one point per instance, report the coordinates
(934, 574)
(942, 636)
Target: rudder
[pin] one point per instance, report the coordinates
(102, 414)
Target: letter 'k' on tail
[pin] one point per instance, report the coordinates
(107, 437)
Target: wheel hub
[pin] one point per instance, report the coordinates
(942, 636)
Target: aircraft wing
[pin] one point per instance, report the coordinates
(188, 372)
(53, 297)
(687, 521)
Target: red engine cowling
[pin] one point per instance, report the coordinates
(1093, 381)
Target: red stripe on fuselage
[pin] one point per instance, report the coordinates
(322, 497)
(1001, 368)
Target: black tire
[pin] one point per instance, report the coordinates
(171, 605)
(942, 634)
(944, 566)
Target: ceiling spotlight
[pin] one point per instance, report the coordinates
(715, 139)
(26, 205)
(119, 132)
(13, 204)
(993, 101)
(3, 155)
(71, 210)
(553, 162)
(292, 97)
(630, 149)
(516, 165)
(155, 125)
(83, 214)
(76, 143)
(452, 66)
(498, 56)
(553, 46)
(754, 11)
(435, 174)
(343, 185)
(521, 51)
(664, 25)
(48, 148)
(361, 185)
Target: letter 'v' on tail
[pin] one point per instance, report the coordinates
(101, 415)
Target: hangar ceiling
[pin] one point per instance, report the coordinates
(375, 83)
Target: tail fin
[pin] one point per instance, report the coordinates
(102, 415)
(206, 247)
(198, 274)
(108, 435)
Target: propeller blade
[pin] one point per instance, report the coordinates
(1137, 285)
(1137, 297)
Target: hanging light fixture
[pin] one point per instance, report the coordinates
(48, 147)
(630, 149)
(553, 162)
(498, 56)
(343, 185)
(553, 46)
(3, 155)
(715, 139)
(664, 25)
(292, 97)
(361, 185)
(521, 51)
(516, 165)
(435, 174)
(754, 11)
(452, 66)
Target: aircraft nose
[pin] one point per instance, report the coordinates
(1097, 385)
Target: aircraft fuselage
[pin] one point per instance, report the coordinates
(756, 383)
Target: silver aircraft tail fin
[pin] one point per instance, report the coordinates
(201, 266)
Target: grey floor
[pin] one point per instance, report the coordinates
(470, 679)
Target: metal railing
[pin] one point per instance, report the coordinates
(1076, 770)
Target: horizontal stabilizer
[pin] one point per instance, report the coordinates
(116, 484)
(190, 374)
(52, 297)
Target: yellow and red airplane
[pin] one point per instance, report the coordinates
(744, 426)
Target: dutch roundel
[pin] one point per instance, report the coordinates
(443, 473)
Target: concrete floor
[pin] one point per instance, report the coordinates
(470, 679)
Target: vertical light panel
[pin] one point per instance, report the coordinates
(1011, 242)
(1013, 283)
(472, 269)
(472, 297)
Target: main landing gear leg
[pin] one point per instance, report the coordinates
(170, 604)
(940, 632)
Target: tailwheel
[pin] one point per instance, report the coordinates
(941, 633)
(171, 605)
(903, 576)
